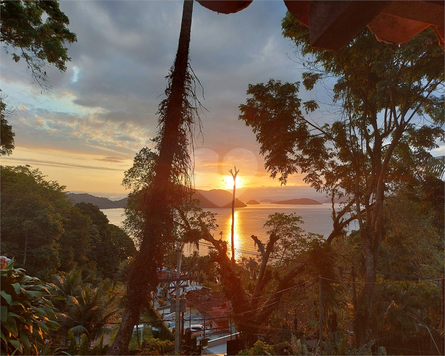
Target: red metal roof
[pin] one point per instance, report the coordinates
(333, 24)
(212, 304)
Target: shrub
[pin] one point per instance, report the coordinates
(27, 313)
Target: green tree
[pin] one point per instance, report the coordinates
(109, 244)
(87, 306)
(76, 242)
(203, 266)
(27, 313)
(413, 244)
(139, 178)
(36, 31)
(389, 104)
(7, 135)
(400, 312)
(31, 220)
(259, 348)
(92, 308)
(45, 233)
(68, 284)
(122, 246)
(154, 346)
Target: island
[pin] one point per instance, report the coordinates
(216, 198)
(252, 202)
(299, 201)
(238, 204)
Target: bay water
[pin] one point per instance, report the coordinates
(250, 220)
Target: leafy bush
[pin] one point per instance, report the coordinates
(27, 313)
(259, 348)
(154, 346)
(87, 307)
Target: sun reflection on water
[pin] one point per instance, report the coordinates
(236, 235)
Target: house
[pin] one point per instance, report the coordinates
(214, 308)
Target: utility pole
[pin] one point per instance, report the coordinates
(320, 311)
(442, 308)
(354, 291)
(234, 174)
(177, 309)
(27, 226)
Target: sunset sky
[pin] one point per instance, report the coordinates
(85, 132)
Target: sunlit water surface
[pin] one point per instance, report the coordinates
(250, 220)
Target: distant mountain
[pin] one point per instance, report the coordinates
(300, 201)
(216, 198)
(102, 203)
(238, 204)
(203, 201)
(278, 193)
(252, 202)
(219, 199)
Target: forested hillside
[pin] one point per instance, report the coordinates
(102, 203)
(46, 233)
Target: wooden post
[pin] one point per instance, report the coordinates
(234, 174)
(354, 291)
(26, 248)
(320, 310)
(27, 226)
(137, 336)
(442, 294)
(182, 324)
(177, 309)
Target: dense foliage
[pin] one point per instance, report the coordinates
(88, 305)
(36, 32)
(7, 135)
(45, 233)
(390, 115)
(27, 313)
(406, 309)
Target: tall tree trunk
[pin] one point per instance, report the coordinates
(372, 234)
(362, 313)
(371, 237)
(157, 210)
(251, 312)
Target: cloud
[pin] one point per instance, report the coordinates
(105, 104)
(125, 49)
(110, 159)
(39, 162)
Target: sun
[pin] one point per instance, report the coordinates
(227, 182)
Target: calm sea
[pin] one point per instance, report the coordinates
(250, 220)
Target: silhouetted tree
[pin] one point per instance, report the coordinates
(279, 272)
(391, 110)
(177, 115)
